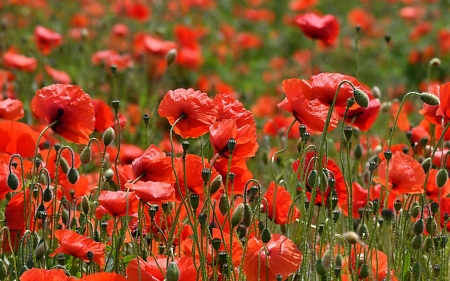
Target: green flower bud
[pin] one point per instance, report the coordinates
(266, 235)
(86, 155)
(237, 216)
(361, 98)
(215, 184)
(429, 98)
(441, 177)
(108, 136)
(47, 194)
(426, 165)
(248, 215)
(223, 205)
(172, 273)
(416, 242)
(364, 271)
(418, 227)
(73, 176)
(13, 181)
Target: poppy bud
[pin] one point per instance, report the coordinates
(305, 137)
(40, 251)
(172, 273)
(434, 207)
(326, 259)
(171, 56)
(363, 231)
(223, 204)
(23, 268)
(266, 235)
(72, 175)
(416, 271)
(350, 102)
(338, 260)
(312, 179)
(247, 217)
(426, 165)
(206, 174)
(216, 243)
(241, 231)
(418, 226)
(109, 174)
(358, 152)
(397, 205)
(108, 136)
(115, 104)
(429, 99)
(13, 181)
(64, 165)
(336, 215)
(351, 237)
(237, 216)
(47, 194)
(348, 132)
(388, 155)
(361, 98)
(436, 270)
(415, 211)
(376, 93)
(231, 145)
(320, 269)
(441, 177)
(416, 242)
(431, 225)
(195, 200)
(427, 244)
(86, 155)
(146, 119)
(85, 205)
(215, 184)
(185, 145)
(261, 226)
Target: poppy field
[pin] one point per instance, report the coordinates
(256, 140)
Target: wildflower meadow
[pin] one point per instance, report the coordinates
(252, 140)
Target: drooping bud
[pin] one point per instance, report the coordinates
(171, 56)
(47, 194)
(109, 174)
(108, 136)
(215, 184)
(429, 99)
(426, 165)
(351, 237)
(441, 177)
(320, 269)
(85, 205)
(266, 235)
(416, 242)
(313, 179)
(361, 98)
(13, 181)
(72, 175)
(86, 155)
(327, 258)
(419, 226)
(237, 216)
(364, 271)
(247, 217)
(223, 205)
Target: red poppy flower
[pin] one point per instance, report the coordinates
(15, 218)
(104, 276)
(245, 137)
(115, 202)
(444, 208)
(362, 18)
(239, 168)
(58, 76)
(13, 60)
(11, 109)
(444, 98)
(154, 165)
(74, 244)
(46, 39)
(38, 274)
(279, 256)
(104, 116)
(132, 9)
(50, 156)
(282, 204)
(324, 28)
(230, 108)
(70, 107)
(153, 192)
(157, 46)
(18, 138)
(432, 189)
(298, 5)
(129, 152)
(80, 188)
(406, 175)
(151, 269)
(362, 118)
(312, 113)
(196, 110)
(359, 201)
(323, 86)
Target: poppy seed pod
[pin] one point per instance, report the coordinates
(185, 145)
(216, 242)
(434, 207)
(361, 98)
(195, 200)
(348, 131)
(13, 181)
(115, 104)
(206, 175)
(436, 270)
(86, 155)
(73, 175)
(172, 273)
(146, 119)
(441, 177)
(108, 136)
(231, 145)
(237, 216)
(429, 98)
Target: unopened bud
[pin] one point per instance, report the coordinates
(108, 136)
(171, 56)
(429, 99)
(361, 98)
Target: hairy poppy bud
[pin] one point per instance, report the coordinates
(364, 271)
(416, 242)
(171, 56)
(47, 194)
(338, 260)
(72, 175)
(85, 205)
(418, 227)
(64, 165)
(320, 269)
(172, 273)
(361, 98)
(327, 259)
(237, 216)
(416, 270)
(109, 174)
(3, 272)
(429, 98)
(313, 179)
(415, 211)
(376, 92)
(363, 231)
(358, 151)
(426, 165)
(427, 245)
(40, 251)
(215, 184)
(441, 177)
(266, 235)
(431, 225)
(223, 205)
(13, 181)
(247, 217)
(108, 136)
(86, 155)
(351, 237)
